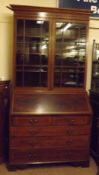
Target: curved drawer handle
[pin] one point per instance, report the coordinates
(30, 155)
(31, 131)
(72, 122)
(31, 143)
(69, 142)
(6, 87)
(33, 121)
(36, 121)
(69, 132)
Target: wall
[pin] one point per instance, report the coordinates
(6, 36)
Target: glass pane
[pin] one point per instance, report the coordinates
(35, 76)
(20, 42)
(19, 78)
(70, 55)
(36, 53)
(19, 52)
(32, 52)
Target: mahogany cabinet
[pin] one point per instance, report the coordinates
(4, 115)
(50, 116)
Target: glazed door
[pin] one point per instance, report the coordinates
(69, 70)
(32, 43)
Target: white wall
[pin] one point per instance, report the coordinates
(6, 35)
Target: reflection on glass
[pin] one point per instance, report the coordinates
(70, 54)
(95, 67)
(32, 52)
(19, 40)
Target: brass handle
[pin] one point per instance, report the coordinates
(69, 132)
(33, 121)
(30, 155)
(73, 120)
(32, 143)
(31, 131)
(69, 142)
(6, 87)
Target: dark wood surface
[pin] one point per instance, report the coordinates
(52, 128)
(51, 103)
(4, 114)
(22, 10)
(94, 99)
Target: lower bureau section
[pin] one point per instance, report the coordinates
(48, 155)
(55, 130)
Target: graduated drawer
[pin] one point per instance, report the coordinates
(49, 120)
(30, 143)
(47, 155)
(50, 131)
(30, 120)
(71, 120)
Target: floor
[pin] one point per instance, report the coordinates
(52, 170)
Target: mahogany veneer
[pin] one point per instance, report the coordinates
(46, 128)
(4, 115)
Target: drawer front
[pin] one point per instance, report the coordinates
(50, 131)
(30, 121)
(71, 120)
(49, 120)
(30, 143)
(53, 155)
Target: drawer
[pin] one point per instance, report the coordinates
(30, 143)
(54, 155)
(71, 120)
(49, 120)
(50, 131)
(30, 120)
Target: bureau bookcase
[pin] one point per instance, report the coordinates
(50, 116)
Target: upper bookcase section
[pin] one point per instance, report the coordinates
(49, 47)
